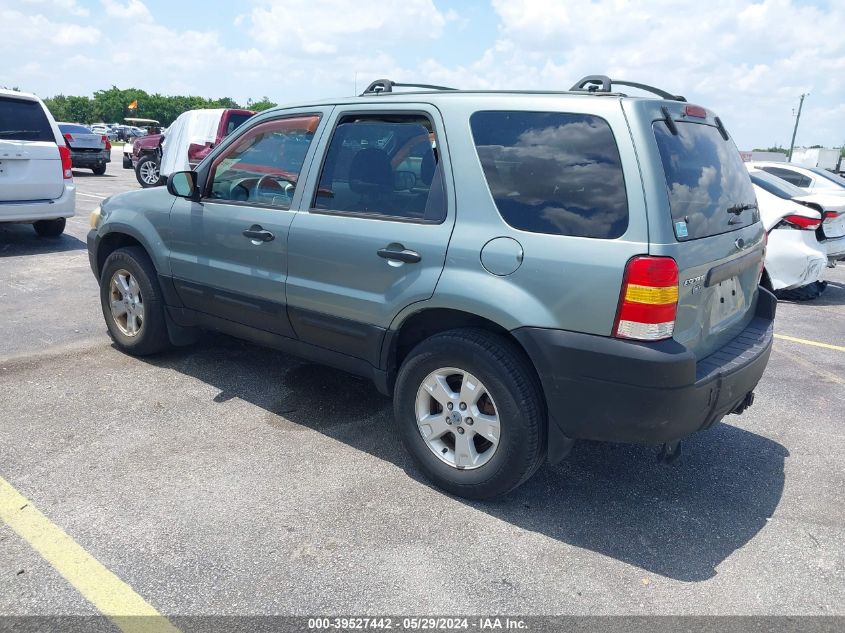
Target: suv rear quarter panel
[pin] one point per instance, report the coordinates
(564, 282)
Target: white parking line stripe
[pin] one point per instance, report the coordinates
(90, 195)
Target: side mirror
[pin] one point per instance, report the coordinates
(183, 184)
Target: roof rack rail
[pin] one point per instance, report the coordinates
(603, 83)
(380, 86)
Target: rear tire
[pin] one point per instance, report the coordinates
(99, 170)
(132, 302)
(146, 171)
(49, 228)
(486, 363)
(127, 162)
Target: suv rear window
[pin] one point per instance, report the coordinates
(552, 172)
(23, 120)
(705, 177)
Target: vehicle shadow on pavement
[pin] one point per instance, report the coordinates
(680, 521)
(20, 239)
(78, 173)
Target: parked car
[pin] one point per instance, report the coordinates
(87, 149)
(36, 180)
(810, 179)
(103, 128)
(831, 231)
(795, 259)
(193, 134)
(518, 270)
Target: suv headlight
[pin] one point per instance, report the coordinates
(95, 217)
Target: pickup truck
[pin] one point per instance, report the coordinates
(88, 150)
(193, 135)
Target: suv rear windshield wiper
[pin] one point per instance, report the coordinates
(739, 208)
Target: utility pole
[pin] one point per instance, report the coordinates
(795, 129)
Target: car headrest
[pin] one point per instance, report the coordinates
(370, 172)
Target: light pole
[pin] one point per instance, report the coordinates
(795, 129)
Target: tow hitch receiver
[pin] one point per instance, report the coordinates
(669, 452)
(746, 402)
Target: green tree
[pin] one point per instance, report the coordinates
(112, 106)
(258, 106)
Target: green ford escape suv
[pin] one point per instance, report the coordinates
(519, 270)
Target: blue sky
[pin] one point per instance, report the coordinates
(747, 60)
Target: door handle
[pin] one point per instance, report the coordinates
(403, 255)
(258, 233)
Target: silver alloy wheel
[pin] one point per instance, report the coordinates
(149, 172)
(126, 303)
(457, 418)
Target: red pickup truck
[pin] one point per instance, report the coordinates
(144, 156)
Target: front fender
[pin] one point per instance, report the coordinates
(142, 215)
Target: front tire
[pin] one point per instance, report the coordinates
(470, 411)
(146, 171)
(49, 228)
(132, 303)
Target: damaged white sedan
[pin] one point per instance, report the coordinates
(794, 257)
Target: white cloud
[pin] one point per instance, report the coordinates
(132, 10)
(68, 6)
(747, 60)
(329, 27)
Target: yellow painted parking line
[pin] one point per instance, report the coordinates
(783, 337)
(108, 593)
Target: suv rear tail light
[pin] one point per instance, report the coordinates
(803, 222)
(64, 152)
(68, 137)
(649, 299)
(107, 142)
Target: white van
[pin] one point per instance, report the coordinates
(36, 181)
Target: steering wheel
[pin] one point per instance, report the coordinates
(280, 184)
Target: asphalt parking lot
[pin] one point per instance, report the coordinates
(228, 479)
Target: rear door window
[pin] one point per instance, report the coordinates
(792, 177)
(23, 120)
(705, 177)
(553, 172)
(776, 186)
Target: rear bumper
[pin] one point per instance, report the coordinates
(89, 159)
(33, 210)
(601, 388)
(835, 248)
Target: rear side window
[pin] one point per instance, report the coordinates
(236, 119)
(23, 120)
(776, 186)
(705, 177)
(552, 172)
(792, 177)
